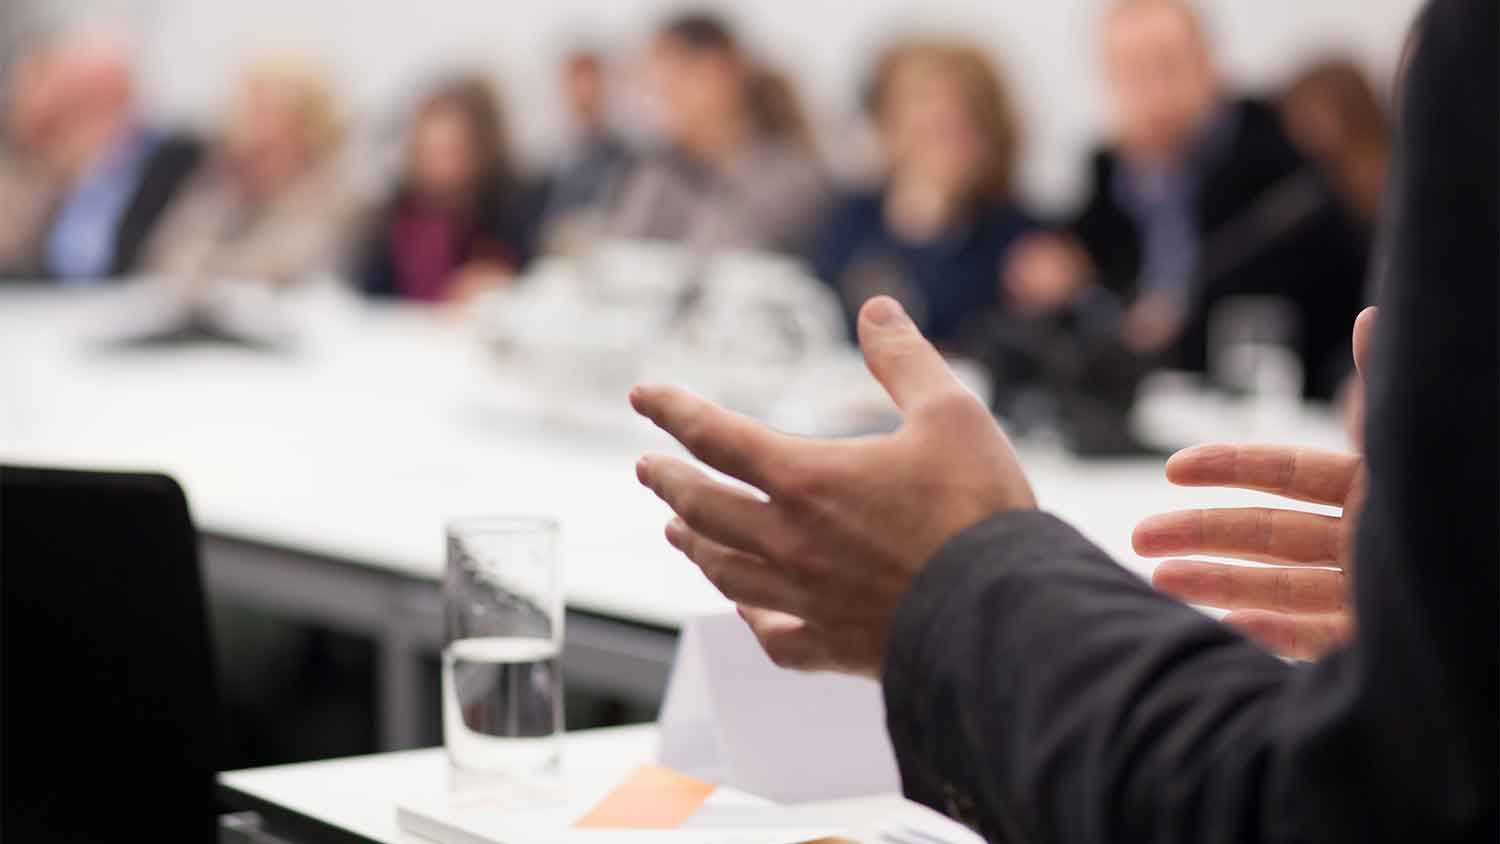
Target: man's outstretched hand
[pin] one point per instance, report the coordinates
(820, 559)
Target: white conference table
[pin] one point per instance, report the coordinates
(321, 477)
(354, 800)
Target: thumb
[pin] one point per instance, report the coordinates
(899, 357)
(1364, 339)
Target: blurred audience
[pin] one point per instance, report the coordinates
(1200, 197)
(934, 234)
(738, 171)
(271, 205)
(87, 178)
(593, 162)
(457, 223)
(1332, 113)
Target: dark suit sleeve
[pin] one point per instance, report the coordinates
(1108, 235)
(1041, 693)
(166, 171)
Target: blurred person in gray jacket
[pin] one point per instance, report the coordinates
(739, 170)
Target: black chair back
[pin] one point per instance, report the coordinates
(108, 711)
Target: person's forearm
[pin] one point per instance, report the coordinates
(1038, 692)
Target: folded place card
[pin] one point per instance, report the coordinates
(731, 716)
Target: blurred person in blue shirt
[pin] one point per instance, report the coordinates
(936, 232)
(1199, 197)
(107, 174)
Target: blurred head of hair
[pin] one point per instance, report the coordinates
(70, 96)
(1331, 107)
(1331, 111)
(283, 122)
(775, 107)
(700, 77)
(945, 116)
(1161, 74)
(585, 86)
(458, 149)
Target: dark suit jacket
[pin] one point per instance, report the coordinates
(1269, 225)
(166, 170)
(1042, 693)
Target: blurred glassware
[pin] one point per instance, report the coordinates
(752, 322)
(736, 326)
(502, 659)
(1253, 351)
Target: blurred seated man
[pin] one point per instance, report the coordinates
(456, 223)
(1199, 198)
(592, 163)
(933, 235)
(271, 205)
(727, 179)
(92, 177)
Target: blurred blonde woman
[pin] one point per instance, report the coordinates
(936, 231)
(271, 205)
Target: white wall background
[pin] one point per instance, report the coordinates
(380, 50)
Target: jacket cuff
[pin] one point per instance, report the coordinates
(920, 690)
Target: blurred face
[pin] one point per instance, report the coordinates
(444, 155)
(585, 90)
(1161, 77)
(929, 130)
(68, 101)
(697, 89)
(268, 141)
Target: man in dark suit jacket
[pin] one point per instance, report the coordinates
(1200, 198)
(1041, 693)
(109, 176)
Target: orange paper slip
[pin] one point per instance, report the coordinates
(652, 797)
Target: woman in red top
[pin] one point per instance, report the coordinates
(456, 225)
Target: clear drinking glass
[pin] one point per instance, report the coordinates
(1252, 349)
(502, 658)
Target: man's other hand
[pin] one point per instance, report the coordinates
(819, 560)
(1297, 607)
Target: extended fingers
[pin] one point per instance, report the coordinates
(1299, 636)
(1248, 533)
(1364, 339)
(741, 576)
(730, 442)
(1234, 587)
(1305, 474)
(721, 512)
